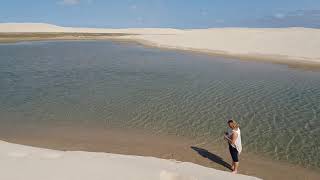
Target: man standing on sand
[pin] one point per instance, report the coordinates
(234, 140)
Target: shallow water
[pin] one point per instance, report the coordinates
(166, 92)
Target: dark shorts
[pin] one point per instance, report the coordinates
(234, 153)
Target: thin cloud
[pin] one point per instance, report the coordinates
(133, 6)
(298, 18)
(279, 15)
(204, 12)
(69, 2)
(219, 21)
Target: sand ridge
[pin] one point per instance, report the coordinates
(295, 45)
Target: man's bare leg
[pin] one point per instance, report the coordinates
(236, 166)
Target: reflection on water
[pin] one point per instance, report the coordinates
(124, 85)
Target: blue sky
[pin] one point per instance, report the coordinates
(164, 13)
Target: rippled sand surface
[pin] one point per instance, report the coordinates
(163, 92)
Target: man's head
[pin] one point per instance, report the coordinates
(233, 124)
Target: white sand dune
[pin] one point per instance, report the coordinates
(18, 162)
(298, 45)
(42, 27)
(289, 44)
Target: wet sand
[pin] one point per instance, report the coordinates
(133, 142)
(18, 37)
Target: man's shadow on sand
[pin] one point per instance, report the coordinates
(215, 158)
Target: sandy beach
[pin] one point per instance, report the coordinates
(281, 45)
(85, 165)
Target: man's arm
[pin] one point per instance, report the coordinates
(233, 138)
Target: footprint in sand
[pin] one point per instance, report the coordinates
(17, 154)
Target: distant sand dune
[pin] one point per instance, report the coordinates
(293, 45)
